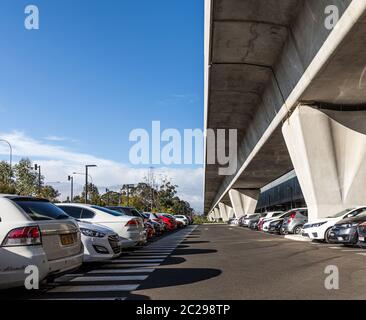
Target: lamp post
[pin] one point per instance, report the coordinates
(10, 156)
(86, 180)
(38, 168)
(71, 179)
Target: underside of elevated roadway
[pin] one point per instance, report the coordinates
(263, 58)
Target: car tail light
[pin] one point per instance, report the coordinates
(292, 216)
(132, 222)
(24, 236)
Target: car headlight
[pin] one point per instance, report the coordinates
(315, 225)
(92, 233)
(349, 225)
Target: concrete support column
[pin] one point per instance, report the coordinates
(224, 214)
(230, 212)
(217, 214)
(328, 151)
(244, 201)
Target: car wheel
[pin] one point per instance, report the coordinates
(326, 235)
(297, 229)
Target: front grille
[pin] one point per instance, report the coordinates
(114, 243)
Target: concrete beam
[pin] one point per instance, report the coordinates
(244, 201)
(314, 64)
(217, 214)
(224, 212)
(328, 151)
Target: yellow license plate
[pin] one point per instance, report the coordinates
(67, 239)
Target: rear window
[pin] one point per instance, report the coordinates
(41, 210)
(109, 211)
(74, 212)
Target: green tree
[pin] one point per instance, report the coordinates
(26, 178)
(49, 193)
(110, 198)
(93, 195)
(7, 184)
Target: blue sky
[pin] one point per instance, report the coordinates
(97, 70)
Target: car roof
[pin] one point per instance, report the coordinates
(15, 196)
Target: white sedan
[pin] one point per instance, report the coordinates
(100, 243)
(130, 229)
(319, 229)
(34, 232)
(182, 219)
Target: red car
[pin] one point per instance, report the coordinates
(169, 221)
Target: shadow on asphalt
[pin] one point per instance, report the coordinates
(194, 242)
(182, 252)
(173, 260)
(176, 277)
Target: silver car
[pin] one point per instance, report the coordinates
(294, 221)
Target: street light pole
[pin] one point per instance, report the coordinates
(38, 168)
(10, 156)
(71, 179)
(86, 180)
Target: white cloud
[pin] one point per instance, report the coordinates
(58, 162)
(58, 139)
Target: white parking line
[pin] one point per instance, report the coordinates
(336, 248)
(95, 288)
(361, 254)
(135, 265)
(113, 271)
(108, 278)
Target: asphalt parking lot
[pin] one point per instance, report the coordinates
(215, 262)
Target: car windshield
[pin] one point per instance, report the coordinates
(41, 210)
(340, 214)
(109, 211)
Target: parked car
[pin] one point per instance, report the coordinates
(294, 222)
(150, 231)
(129, 228)
(34, 231)
(361, 230)
(233, 221)
(129, 211)
(319, 229)
(275, 219)
(246, 219)
(100, 243)
(253, 222)
(275, 225)
(154, 217)
(346, 231)
(169, 221)
(182, 218)
(158, 227)
(268, 216)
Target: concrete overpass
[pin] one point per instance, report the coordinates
(295, 91)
